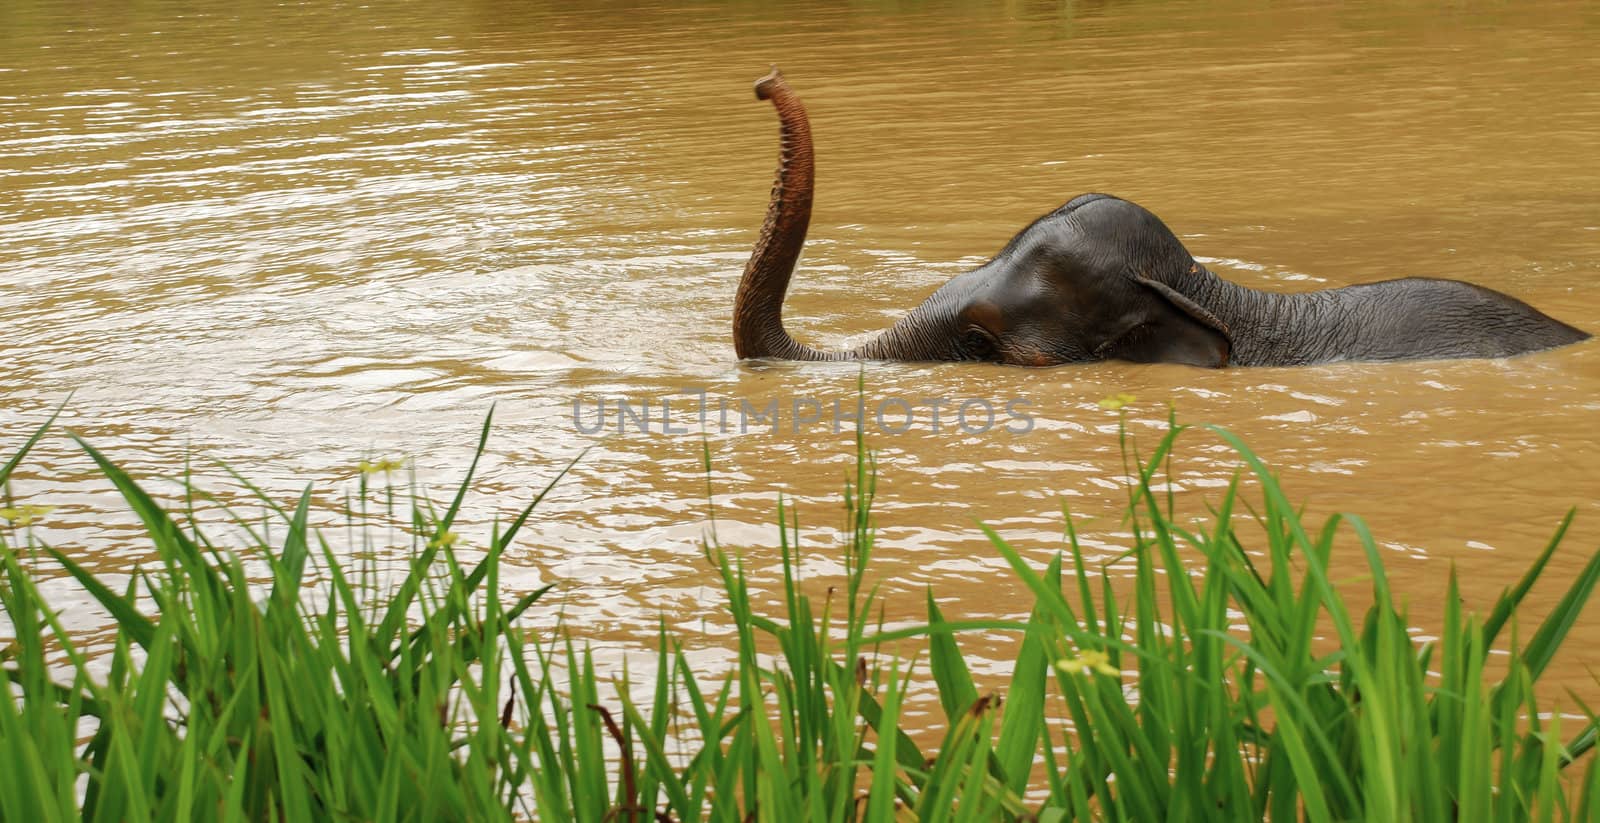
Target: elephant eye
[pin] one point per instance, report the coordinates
(978, 344)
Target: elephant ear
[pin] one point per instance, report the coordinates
(1171, 328)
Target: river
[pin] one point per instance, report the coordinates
(291, 237)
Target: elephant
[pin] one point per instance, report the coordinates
(1102, 278)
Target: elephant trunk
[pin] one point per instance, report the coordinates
(928, 333)
(758, 309)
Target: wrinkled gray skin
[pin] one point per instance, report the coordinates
(1103, 279)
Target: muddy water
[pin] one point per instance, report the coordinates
(291, 238)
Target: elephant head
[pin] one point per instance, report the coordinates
(1089, 281)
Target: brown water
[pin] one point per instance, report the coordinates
(295, 236)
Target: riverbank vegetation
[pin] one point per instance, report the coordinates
(1230, 680)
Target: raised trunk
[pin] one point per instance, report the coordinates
(758, 309)
(926, 333)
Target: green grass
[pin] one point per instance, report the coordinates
(232, 698)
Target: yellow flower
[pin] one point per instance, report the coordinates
(444, 539)
(1089, 661)
(1117, 401)
(24, 515)
(386, 465)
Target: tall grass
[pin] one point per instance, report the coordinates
(1231, 684)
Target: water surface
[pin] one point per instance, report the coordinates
(292, 237)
